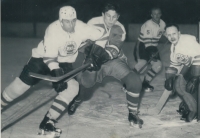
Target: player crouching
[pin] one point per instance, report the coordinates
(182, 76)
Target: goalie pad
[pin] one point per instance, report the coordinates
(192, 85)
(112, 50)
(188, 99)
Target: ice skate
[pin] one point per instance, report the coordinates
(135, 120)
(147, 87)
(73, 106)
(47, 127)
(186, 114)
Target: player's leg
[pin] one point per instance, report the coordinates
(189, 93)
(151, 74)
(22, 83)
(140, 57)
(60, 103)
(75, 103)
(133, 89)
(156, 66)
(120, 70)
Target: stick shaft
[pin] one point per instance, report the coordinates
(68, 76)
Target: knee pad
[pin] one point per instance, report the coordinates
(156, 66)
(68, 94)
(15, 89)
(132, 82)
(35, 65)
(140, 64)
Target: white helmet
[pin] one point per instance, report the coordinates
(67, 12)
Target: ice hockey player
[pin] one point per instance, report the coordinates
(182, 76)
(54, 55)
(114, 64)
(146, 48)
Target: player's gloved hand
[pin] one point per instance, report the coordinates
(94, 66)
(61, 85)
(170, 74)
(169, 83)
(96, 55)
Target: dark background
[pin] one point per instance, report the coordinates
(133, 11)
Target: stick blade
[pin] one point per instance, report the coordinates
(162, 101)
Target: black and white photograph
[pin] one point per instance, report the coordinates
(100, 68)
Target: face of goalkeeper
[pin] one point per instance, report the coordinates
(173, 34)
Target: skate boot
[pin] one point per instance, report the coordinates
(185, 113)
(134, 119)
(147, 87)
(73, 106)
(47, 127)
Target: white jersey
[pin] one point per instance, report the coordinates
(151, 32)
(61, 46)
(114, 36)
(185, 52)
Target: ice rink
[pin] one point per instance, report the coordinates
(103, 114)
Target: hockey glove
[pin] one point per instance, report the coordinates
(170, 75)
(61, 85)
(96, 55)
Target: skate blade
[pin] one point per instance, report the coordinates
(47, 134)
(132, 124)
(148, 90)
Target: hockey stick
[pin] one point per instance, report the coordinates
(140, 70)
(149, 61)
(20, 117)
(160, 104)
(65, 77)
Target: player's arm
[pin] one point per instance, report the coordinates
(115, 41)
(51, 43)
(145, 35)
(92, 32)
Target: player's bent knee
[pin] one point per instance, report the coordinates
(35, 65)
(156, 66)
(16, 89)
(140, 64)
(72, 90)
(133, 82)
(73, 83)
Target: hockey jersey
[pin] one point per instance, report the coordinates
(151, 32)
(61, 46)
(113, 36)
(185, 52)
